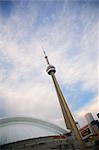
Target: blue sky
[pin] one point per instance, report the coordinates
(68, 31)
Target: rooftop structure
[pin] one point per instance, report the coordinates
(89, 117)
(21, 128)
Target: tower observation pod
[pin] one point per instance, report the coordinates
(68, 118)
(50, 69)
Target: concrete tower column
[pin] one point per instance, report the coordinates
(69, 120)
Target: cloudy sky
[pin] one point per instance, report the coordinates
(68, 31)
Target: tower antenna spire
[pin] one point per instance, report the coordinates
(45, 56)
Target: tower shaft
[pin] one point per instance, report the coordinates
(69, 120)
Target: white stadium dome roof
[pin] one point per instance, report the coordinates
(20, 128)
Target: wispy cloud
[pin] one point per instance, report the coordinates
(68, 34)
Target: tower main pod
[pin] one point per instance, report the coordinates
(69, 121)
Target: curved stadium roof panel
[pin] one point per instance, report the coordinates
(20, 128)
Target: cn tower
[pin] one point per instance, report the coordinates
(68, 118)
